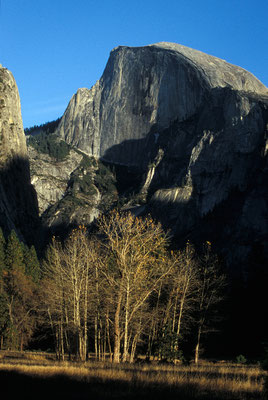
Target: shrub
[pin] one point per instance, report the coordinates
(241, 359)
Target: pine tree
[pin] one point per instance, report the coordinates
(14, 254)
(2, 256)
(19, 292)
(4, 319)
(32, 265)
(3, 301)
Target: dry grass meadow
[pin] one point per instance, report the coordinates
(38, 376)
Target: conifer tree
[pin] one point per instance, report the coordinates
(32, 265)
(3, 300)
(14, 254)
(18, 292)
(2, 257)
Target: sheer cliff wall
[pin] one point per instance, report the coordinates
(18, 202)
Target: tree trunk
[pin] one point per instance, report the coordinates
(197, 347)
(180, 320)
(21, 342)
(96, 337)
(108, 336)
(85, 338)
(133, 347)
(116, 357)
(61, 342)
(99, 336)
(125, 353)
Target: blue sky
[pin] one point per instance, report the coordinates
(54, 47)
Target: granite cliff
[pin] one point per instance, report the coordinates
(195, 127)
(72, 189)
(142, 91)
(18, 202)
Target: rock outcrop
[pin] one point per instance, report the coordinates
(12, 135)
(196, 127)
(71, 190)
(18, 203)
(50, 177)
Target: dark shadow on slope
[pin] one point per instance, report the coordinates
(128, 178)
(18, 201)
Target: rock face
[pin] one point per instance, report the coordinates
(18, 203)
(141, 92)
(12, 135)
(72, 190)
(50, 177)
(196, 127)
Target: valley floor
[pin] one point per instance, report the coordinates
(38, 376)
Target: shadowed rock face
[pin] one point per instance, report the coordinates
(196, 126)
(18, 204)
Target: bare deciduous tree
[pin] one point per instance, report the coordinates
(69, 271)
(185, 284)
(171, 317)
(211, 283)
(137, 264)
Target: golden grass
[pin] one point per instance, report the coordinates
(206, 381)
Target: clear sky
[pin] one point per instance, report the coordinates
(54, 47)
